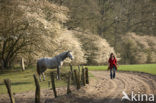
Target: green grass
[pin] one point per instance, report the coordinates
(147, 68)
(22, 81)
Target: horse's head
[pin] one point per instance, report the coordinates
(69, 54)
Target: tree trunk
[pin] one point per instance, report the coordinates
(5, 64)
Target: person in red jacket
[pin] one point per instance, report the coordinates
(112, 65)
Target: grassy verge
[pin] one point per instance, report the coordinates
(147, 68)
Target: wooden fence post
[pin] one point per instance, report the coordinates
(48, 83)
(68, 85)
(83, 77)
(37, 92)
(82, 66)
(79, 67)
(71, 70)
(79, 73)
(53, 84)
(8, 86)
(87, 77)
(22, 64)
(82, 73)
(77, 80)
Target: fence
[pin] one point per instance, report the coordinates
(79, 76)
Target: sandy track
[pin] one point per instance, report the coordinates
(101, 89)
(111, 89)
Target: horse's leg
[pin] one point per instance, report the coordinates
(58, 72)
(43, 76)
(39, 71)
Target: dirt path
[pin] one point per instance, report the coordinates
(101, 89)
(110, 90)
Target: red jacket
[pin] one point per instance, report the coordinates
(112, 63)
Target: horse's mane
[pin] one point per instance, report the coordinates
(63, 55)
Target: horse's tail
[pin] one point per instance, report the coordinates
(38, 68)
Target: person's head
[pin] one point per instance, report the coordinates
(112, 55)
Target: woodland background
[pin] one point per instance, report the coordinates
(91, 29)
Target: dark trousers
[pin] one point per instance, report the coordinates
(112, 72)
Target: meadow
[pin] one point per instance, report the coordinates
(23, 81)
(146, 68)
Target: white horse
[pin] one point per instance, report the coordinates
(52, 63)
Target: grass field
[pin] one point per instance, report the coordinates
(147, 68)
(23, 81)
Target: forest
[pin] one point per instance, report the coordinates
(91, 29)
